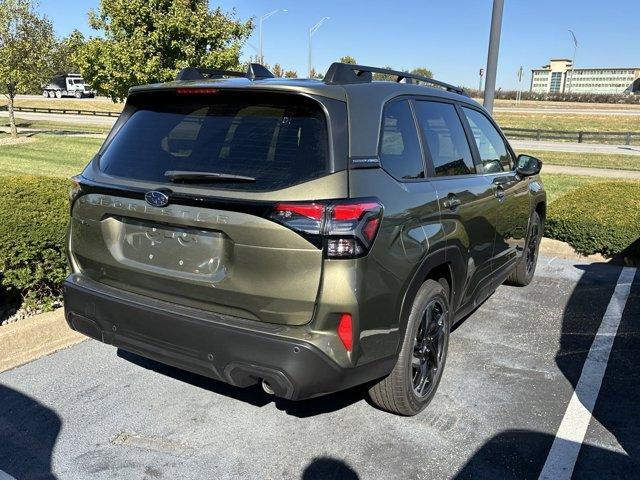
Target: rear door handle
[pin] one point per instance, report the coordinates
(499, 193)
(452, 202)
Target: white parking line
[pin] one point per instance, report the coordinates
(566, 446)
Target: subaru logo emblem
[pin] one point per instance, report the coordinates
(156, 198)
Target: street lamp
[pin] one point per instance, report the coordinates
(573, 62)
(312, 30)
(262, 19)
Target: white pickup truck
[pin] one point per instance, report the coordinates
(68, 85)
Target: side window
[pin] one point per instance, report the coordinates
(445, 138)
(399, 148)
(493, 152)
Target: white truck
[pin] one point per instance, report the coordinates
(67, 85)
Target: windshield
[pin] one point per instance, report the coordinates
(280, 140)
(78, 81)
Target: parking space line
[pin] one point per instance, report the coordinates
(566, 446)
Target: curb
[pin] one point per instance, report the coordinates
(34, 337)
(556, 248)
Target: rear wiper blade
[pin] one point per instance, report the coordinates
(204, 177)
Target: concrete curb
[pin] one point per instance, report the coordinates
(556, 248)
(34, 337)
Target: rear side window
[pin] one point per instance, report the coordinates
(445, 138)
(493, 152)
(399, 148)
(280, 140)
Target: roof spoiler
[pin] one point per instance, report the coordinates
(255, 71)
(345, 73)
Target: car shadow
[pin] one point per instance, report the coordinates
(28, 434)
(326, 468)
(521, 454)
(254, 395)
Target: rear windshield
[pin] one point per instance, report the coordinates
(277, 139)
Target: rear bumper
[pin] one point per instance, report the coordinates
(237, 351)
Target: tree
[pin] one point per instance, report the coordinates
(66, 55)
(277, 70)
(26, 42)
(425, 72)
(348, 59)
(315, 74)
(143, 41)
(290, 74)
(384, 76)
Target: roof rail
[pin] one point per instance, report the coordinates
(255, 71)
(344, 73)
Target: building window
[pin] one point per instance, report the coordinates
(556, 82)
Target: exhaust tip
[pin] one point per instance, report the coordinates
(266, 387)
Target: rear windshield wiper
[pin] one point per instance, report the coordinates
(204, 177)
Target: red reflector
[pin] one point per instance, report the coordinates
(196, 91)
(371, 228)
(352, 211)
(311, 210)
(345, 331)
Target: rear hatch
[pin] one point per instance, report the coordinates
(182, 203)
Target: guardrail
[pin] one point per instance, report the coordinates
(626, 138)
(63, 111)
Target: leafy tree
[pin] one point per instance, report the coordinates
(348, 59)
(277, 70)
(66, 54)
(26, 43)
(315, 74)
(290, 74)
(384, 76)
(425, 72)
(146, 41)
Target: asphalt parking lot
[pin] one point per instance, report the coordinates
(89, 412)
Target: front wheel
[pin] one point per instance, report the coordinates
(413, 381)
(78, 94)
(526, 267)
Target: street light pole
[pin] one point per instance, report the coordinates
(573, 62)
(262, 19)
(492, 56)
(312, 30)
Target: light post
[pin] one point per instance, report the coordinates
(312, 30)
(492, 56)
(519, 94)
(573, 62)
(262, 19)
(480, 81)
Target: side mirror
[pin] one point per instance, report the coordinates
(528, 166)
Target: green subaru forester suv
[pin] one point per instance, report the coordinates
(306, 235)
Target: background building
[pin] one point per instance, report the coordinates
(556, 77)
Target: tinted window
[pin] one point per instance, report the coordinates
(399, 148)
(280, 140)
(493, 151)
(445, 138)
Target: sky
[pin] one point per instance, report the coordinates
(449, 38)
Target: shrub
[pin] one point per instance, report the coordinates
(33, 220)
(598, 218)
(620, 98)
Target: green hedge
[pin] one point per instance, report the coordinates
(598, 218)
(34, 213)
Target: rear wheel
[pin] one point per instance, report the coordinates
(58, 94)
(413, 382)
(523, 273)
(45, 94)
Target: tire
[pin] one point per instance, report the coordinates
(51, 94)
(405, 391)
(78, 94)
(58, 94)
(526, 267)
(45, 94)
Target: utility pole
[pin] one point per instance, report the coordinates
(262, 19)
(573, 62)
(480, 82)
(492, 56)
(312, 30)
(519, 94)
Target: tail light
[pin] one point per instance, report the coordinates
(347, 227)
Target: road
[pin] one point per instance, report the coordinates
(60, 118)
(87, 412)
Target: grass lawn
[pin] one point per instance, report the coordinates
(58, 126)
(597, 160)
(49, 155)
(93, 104)
(577, 122)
